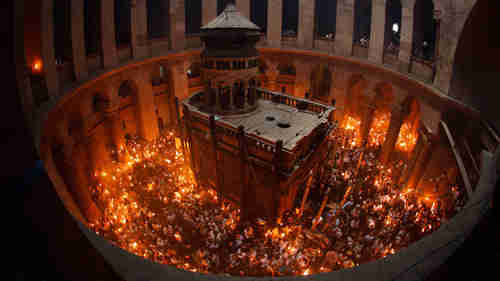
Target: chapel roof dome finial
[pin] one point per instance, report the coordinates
(230, 18)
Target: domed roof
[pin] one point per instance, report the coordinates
(230, 18)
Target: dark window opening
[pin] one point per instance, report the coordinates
(92, 26)
(258, 14)
(193, 10)
(62, 31)
(158, 18)
(290, 18)
(325, 18)
(122, 22)
(362, 22)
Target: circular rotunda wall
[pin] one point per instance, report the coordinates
(138, 99)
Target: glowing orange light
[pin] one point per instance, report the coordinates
(37, 65)
(378, 130)
(353, 124)
(307, 272)
(407, 138)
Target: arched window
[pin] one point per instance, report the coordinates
(92, 26)
(325, 17)
(122, 22)
(362, 22)
(258, 13)
(158, 18)
(290, 18)
(193, 16)
(424, 30)
(392, 26)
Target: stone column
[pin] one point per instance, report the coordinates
(306, 24)
(108, 40)
(422, 162)
(376, 48)
(406, 41)
(208, 10)
(345, 27)
(177, 32)
(274, 22)
(111, 111)
(139, 28)
(367, 121)
(397, 117)
(179, 81)
(302, 79)
(81, 182)
(78, 40)
(147, 123)
(244, 7)
(422, 139)
(48, 55)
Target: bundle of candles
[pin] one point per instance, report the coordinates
(353, 213)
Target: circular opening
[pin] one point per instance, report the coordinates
(270, 118)
(284, 125)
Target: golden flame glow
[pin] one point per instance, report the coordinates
(407, 138)
(379, 127)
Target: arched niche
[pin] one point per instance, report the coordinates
(381, 116)
(408, 133)
(286, 78)
(127, 93)
(321, 82)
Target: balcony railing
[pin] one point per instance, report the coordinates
(301, 104)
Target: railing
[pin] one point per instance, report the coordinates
(301, 104)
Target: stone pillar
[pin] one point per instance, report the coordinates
(306, 24)
(80, 184)
(208, 10)
(179, 81)
(147, 123)
(139, 28)
(397, 117)
(177, 32)
(48, 55)
(244, 7)
(111, 111)
(345, 27)
(108, 40)
(376, 48)
(78, 40)
(274, 22)
(422, 139)
(367, 121)
(406, 41)
(422, 162)
(302, 79)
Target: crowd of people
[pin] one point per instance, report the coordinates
(352, 213)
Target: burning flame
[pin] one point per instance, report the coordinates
(37, 66)
(353, 125)
(378, 130)
(407, 138)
